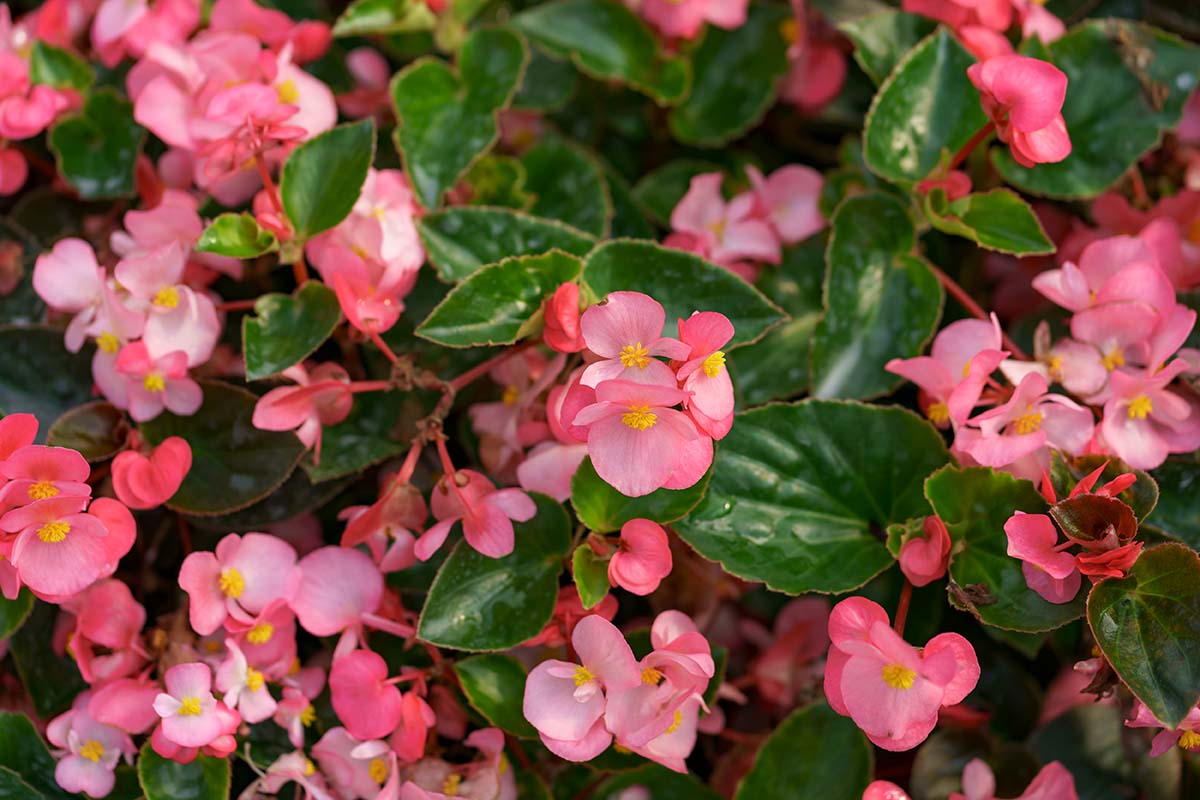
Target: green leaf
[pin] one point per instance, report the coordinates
(497, 180)
(799, 491)
(298, 495)
(13, 788)
(206, 778)
(1147, 625)
(569, 185)
(27, 385)
(53, 681)
(881, 39)
(322, 177)
(1066, 472)
(234, 464)
(603, 509)
(591, 575)
(882, 302)
(926, 110)
(62, 69)
(629, 217)
(661, 189)
(660, 782)
(376, 17)
(363, 439)
(23, 751)
(736, 77)
(237, 236)
(495, 687)
(480, 603)
(996, 220)
(1127, 84)
(781, 771)
(975, 503)
(607, 41)
(769, 369)
(97, 430)
(460, 240)
(548, 85)
(496, 304)
(683, 283)
(447, 117)
(97, 147)
(286, 330)
(13, 613)
(1177, 512)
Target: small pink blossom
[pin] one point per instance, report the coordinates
(562, 332)
(89, 751)
(1048, 570)
(487, 514)
(106, 640)
(158, 383)
(309, 38)
(685, 18)
(626, 332)
(790, 659)
(924, 559)
(14, 171)
(244, 686)
(416, 718)
(319, 398)
(704, 373)
(1144, 421)
(36, 472)
(59, 550)
(642, 558)
(145, 482)
(191, 716)
(239, 580)
(1187, 735)
(1053, 782)
(788, 198)
(723, 232)
(1023, 97)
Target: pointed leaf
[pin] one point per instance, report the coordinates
(97, 147)
(591, 575)
(996, 220)
(238, 236)
(205, 778)
(322, 178)
(495, 687)
(286, 330)
(881, 39)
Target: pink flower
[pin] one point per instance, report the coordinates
(88, 751)
(884, 790)
(191, 716)
(1053, 782)
(132, 26)
(626, 332)
(352, 769)
(16, 431)
(1144, 421)
(562, 332)
(636, 440)
(704, 374)
(14, 171)
(685, 18)
(487, 514)
(244, 686)
(724, 232)
(816, 63)
(549, 467)
(36, 472)
(174, 220)
(892, 690)
(566, 701)
(1100, 276)
(106, 640)
(1037, 21)
(507, 427)
(955, 184)
(157, 383)
(363, 698)
(275, 29)
(340, 588)
(1048, 570)
(788, 199)
(387, 526)
(924, 559)
(242, 123)
(416, 718)
(294, 713)
(143, 482)
(318, 399)
(1023, 97)
(994, 14)
(642, 559)
(243, 576)
(59, 550)
(1114, 562)
(68, 279)
(1187, 735)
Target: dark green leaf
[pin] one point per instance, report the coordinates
(374, 17)
(322, 178)
(1094, 518)
(548, 84)
(882, 302)
(97, 430)
(53, 681)
(683, 283)
(13, 613)
(661, 189)
(996, 220)
(481, 603)
(497, 180)
(607, 41)
(238, 236)
(801, 493)
(603, 509)
(496, 304)
(23, 751)
(735, 78)
(234, 464)
(286, 330)
(298, 495)
(660, 782)
(591, 575)
(363, 439)
(59, 68)
(27, 385)
(13, 788)
(569, 185)
(1147, 625)
(97, 147)
(881, 39)
(206, 778)
(495, 687)
(629, 217)
(1177, 512)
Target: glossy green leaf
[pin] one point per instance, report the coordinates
(1177, 512)
(495, 687)
(975, 503)
(23, 751)
(205, 778)
(497, 180)
(375, 17)
(881, 39)
(775, 367)
(27, 385)
(548, 85)
(460, 240)
(13, 613)
(882, 302)
(97, 430)
(607, 41)
(568, 184)
(286, 330)
(1147, 625)
(660, 782)
(661, 189)
(62, 69)
(234, 464)
(52, 680)
(365, 438)
(799, 491)
(1066, 472)
(13, 788)
(97, 147)
(447, 116)
(480, 603)
(926, 110)
(496, 304)
(735, 78)
(683, 283)
(238, 236)
(322, 178)
(629, 217)
(603, 509)
(298, 495)
(996, 220)
(787, 764)
(591, 575)
(1127, 84)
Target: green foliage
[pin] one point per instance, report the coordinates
(322, 177)
(603, 509)
(97, 146)
(286, 330)
(495, 685)
(778, 773)
(205, 778)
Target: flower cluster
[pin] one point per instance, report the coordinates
(981, 24)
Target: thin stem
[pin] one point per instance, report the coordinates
(902, 608)
(410, 462)
(974, 141)
(451, 474)
(974, 309)
(300, 269)
(1140, 195)
(479, 370)
(236, 305)
(370, 386)
(269, 185)
(382, 345)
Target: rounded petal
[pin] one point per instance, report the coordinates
(337, 586)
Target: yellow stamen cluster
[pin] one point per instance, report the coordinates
(634, 355)
(231, 583)
(583, 675)
(938, 413)
(154, 382)
(451, 784)
(639, 418)
(108, 342)
(511, 393)
(309, 767)
(378, 770)
(92, 750)
(53, 532)
(260, 633)
(789, 30)
(1141, 407)
(42, 490)
(676, 722)
(254, 679)
(287, 92)
(713, 365)
(189, 707)
(1029, 422)
(898, 676)
(1113, 358)
(166, 297)
(1189, 740)
(651, 676)
(308, 716)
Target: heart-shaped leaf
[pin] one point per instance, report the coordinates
(322, 178)
(683, 283)
(97, 430)
(237, 236)
(882, 302)
(603, 509)
(376, 17)
(26, 385)
(234, 464)
(591, 575)
(205, 778)
(548, 84)
(495, 687)
(286, 330)
(480, 603)
(62, 69)
(447, 117)
(881, 39)
(568, 184)
(97, 147)
(800, 494)
(996, 220)
(607, 41)
(1147, 624)
(23, 752)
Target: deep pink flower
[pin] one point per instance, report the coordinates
(36, 472)
(704, 373)
(106, 640)
(389, 527)
(788, 199)
(924, 559)
(724, 232)
(884, 790)
(319, 398)
(243, 576)
(642, 559)
(562, 332)
(157, 383)
(1023, 97)
(416, 718)
(1048, 570)
(626, 332)
(994, 14)
(14, 171)
(59, 550)
(487, 514)
(144, 482)
(1111, 563)
(366, 703)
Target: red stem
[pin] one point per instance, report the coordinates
(236, 305)
(902, 608)
(370, 386)
(382, 345)
(410, 462)
(479, 370)
(974, 309)
(974, 141)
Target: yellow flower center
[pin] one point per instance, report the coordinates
(450, 785)
(583, 675)
(287, 91)
(166, 297)
(1054, 364)
(53, 532)
(378, 769)
(938, 413)
(154, 382)
(254, 679)
(1189, 740)
(308, 716)
(634, 355)
(675, 723)
(1113, 358)
(511, 393)
(260, 633)
(1029, 422)
(898, 677)
(714, 364)
(788, 29)
(639, 418)
(1141, 407)
(231, 583)
(717, 227)
(189, 707)
(108, 342)
(42, 490)
(309, 767)
(651, 676)
(92, 750)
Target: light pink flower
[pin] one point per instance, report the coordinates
(1049, 571)
(89, 751)
(723, 232)
(788, 199)
(145, 482)
(243, 576)
(106, 640)
(59, 550)
(626, 332)
(642, 559)
(319, 398)
(340, 588)
(704, 373)
(487, 514)
(244, 686)
(685, 18)
(1144, 421)
(366, 703)
(348, 768)
(309, 38)
(68, 278)
(131, 26)
(157, 383)
(507, 427)
(191, 716)
(924, 559)
(1187, 735)
(1023, 97)
(549, 467)
(1038, 22)
(1053, 782)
